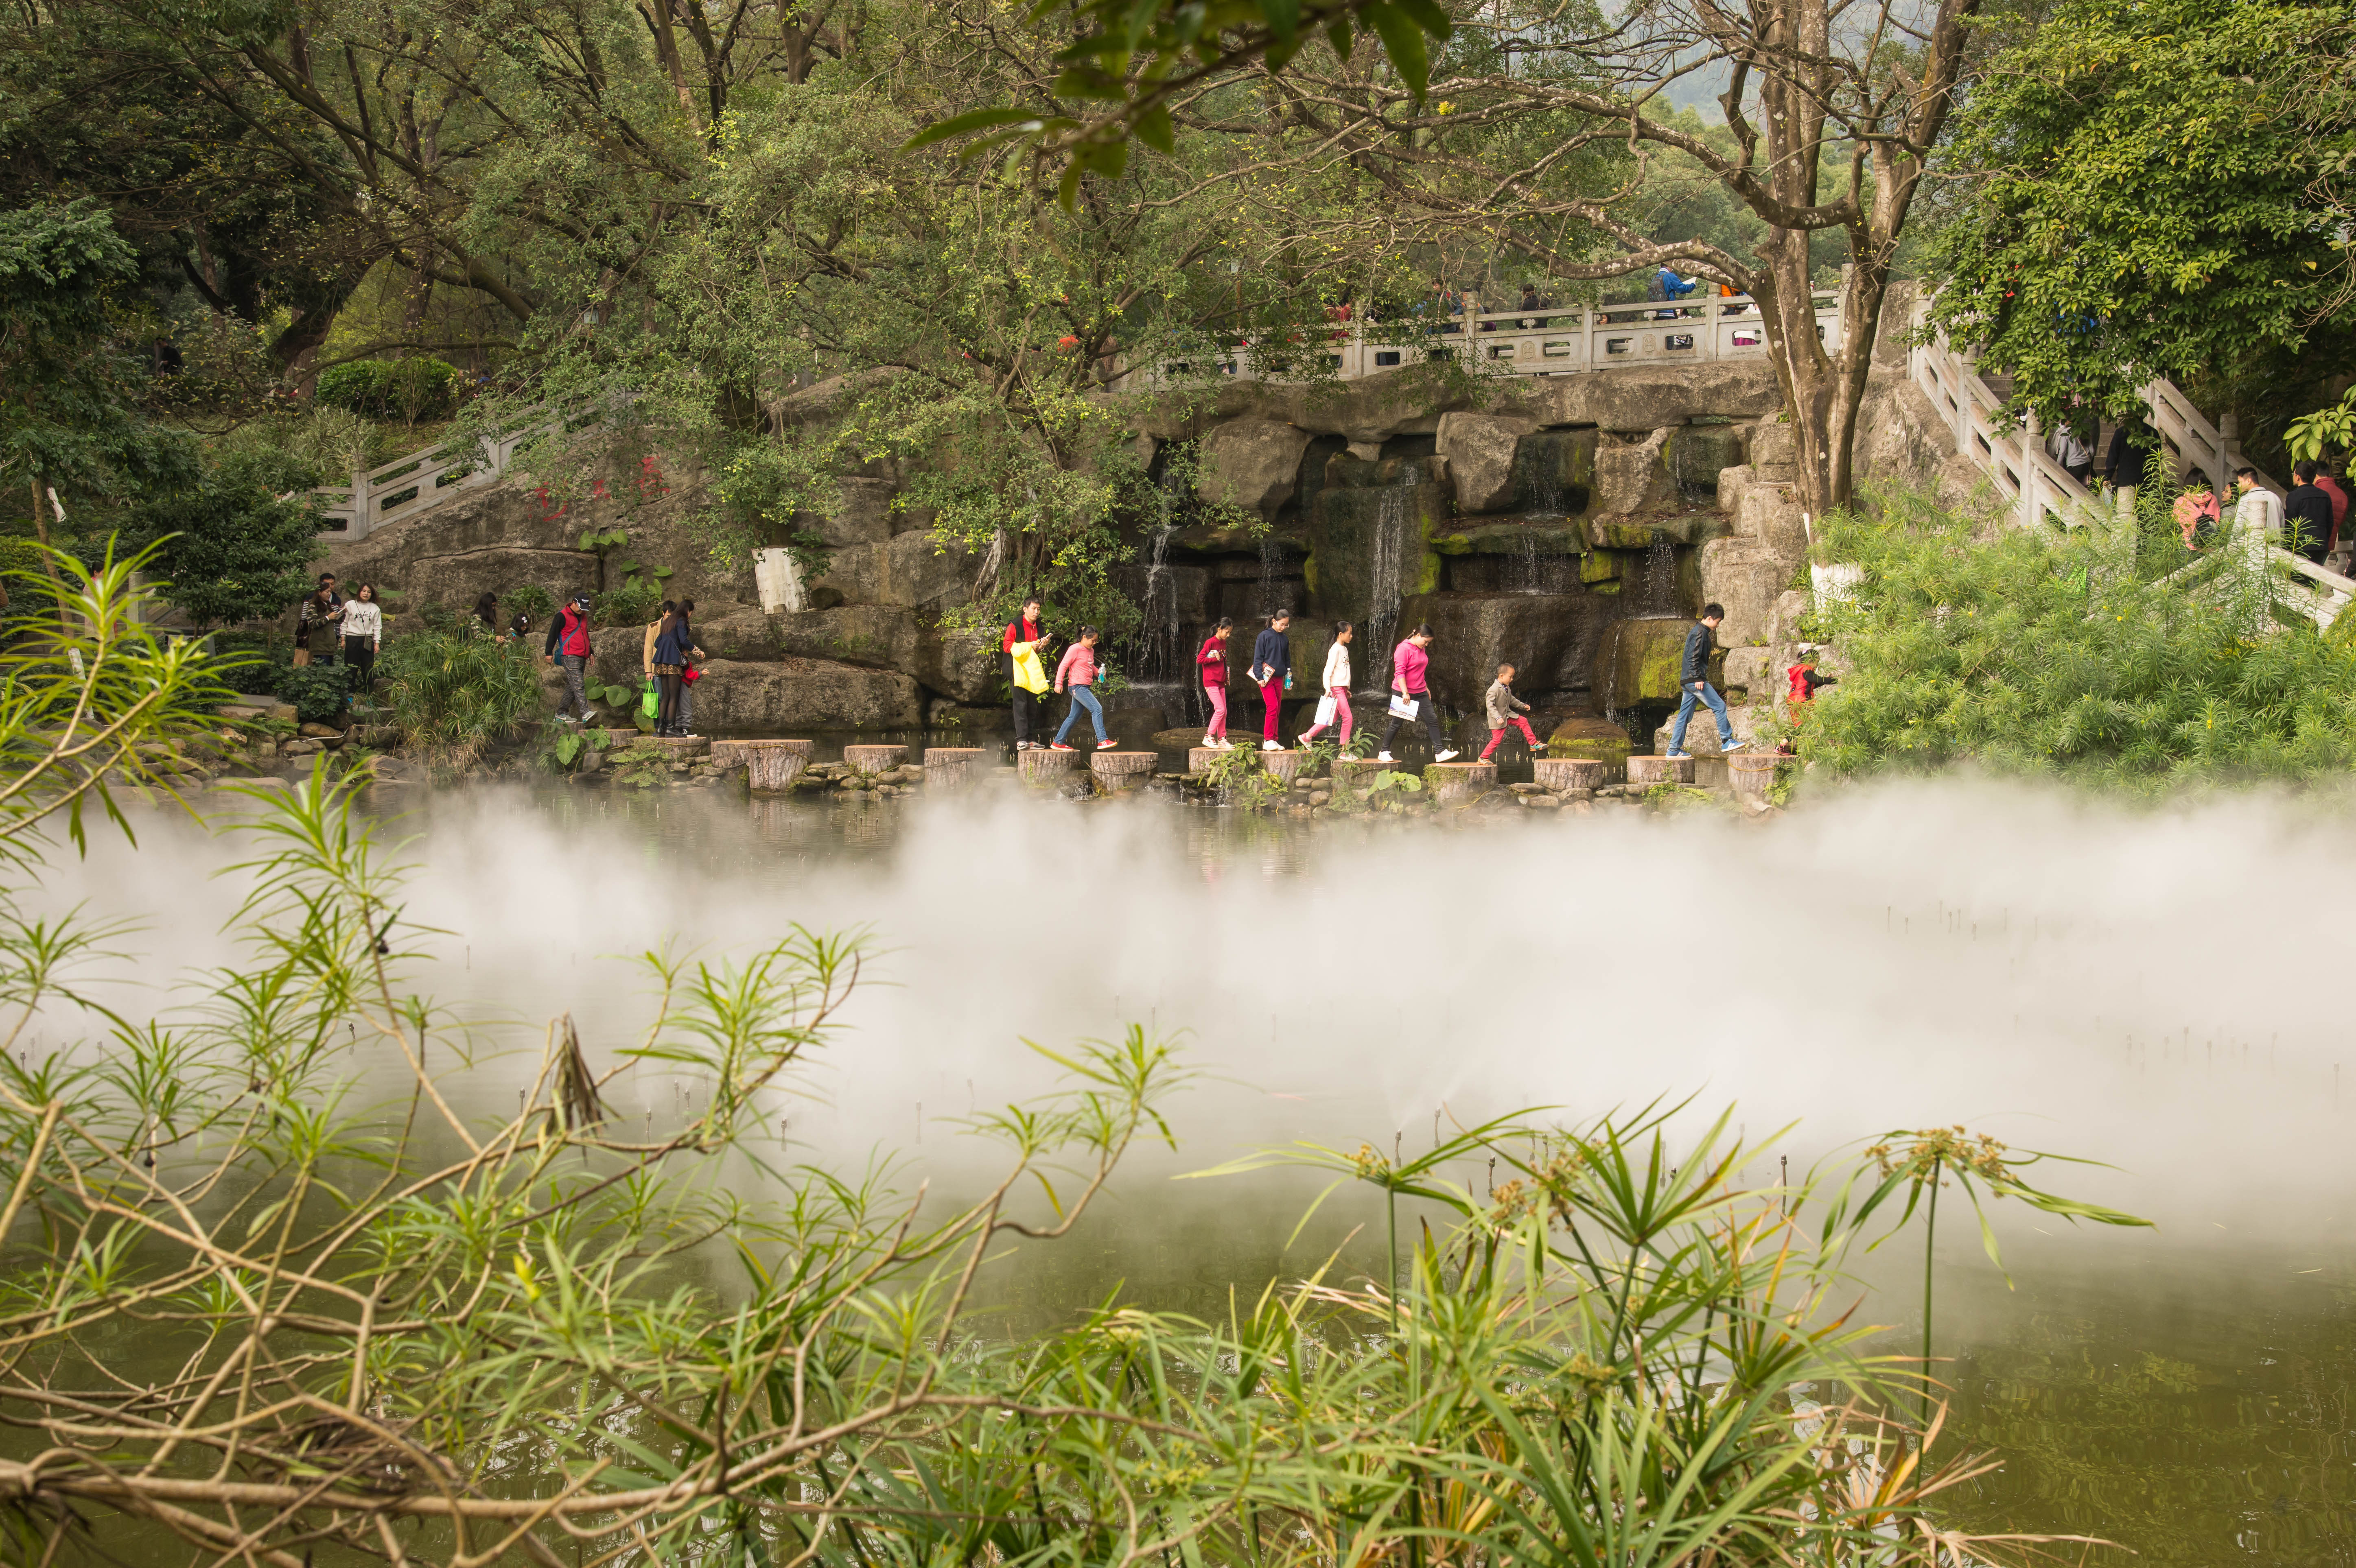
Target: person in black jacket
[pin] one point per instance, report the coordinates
(1692, 685)
(2132, 445)
(1271, 668)
(2307, 515)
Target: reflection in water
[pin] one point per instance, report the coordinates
(2060, 977)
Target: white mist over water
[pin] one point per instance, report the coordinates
(2160, 991)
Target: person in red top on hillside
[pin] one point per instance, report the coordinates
(1211, 660)
(1804, 682)
(568, 639)
(2336, 487)
(1024, 629)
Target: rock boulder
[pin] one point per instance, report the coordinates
(909, 570)
(1251, 463)
(1631, 478)
(801, 694)
(1480, 451)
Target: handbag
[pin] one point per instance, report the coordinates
(1402, 707)
(1325, 710)
(650, 701)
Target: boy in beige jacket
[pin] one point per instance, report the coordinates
(1504, 708)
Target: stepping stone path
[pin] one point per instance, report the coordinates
(1121, 770)
(1358, 773)
(1041, 765)
(682, 747)
(1569, 772)
(1455, 784)
(873, 759)
(950, 767)
(1201, 757)
(1644, 772)
(769, 765)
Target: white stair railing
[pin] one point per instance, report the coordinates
(423, 480)
(2012, 452)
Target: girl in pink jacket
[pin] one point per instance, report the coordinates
(1078, 671)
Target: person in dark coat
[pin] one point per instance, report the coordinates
(2133, 447)
(2306, 516)
(1694, 687)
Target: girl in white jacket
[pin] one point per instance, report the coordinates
(1336, 681)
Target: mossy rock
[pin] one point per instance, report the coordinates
(1692, 528)
(1597, 740)
(1512, 538)
(1599, 566)
(1640, 661)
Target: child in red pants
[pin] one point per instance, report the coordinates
(1504, 708)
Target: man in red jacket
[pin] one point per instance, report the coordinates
(1023, 628)
(568, 639)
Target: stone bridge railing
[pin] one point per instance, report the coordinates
(1545, 342)
(423, 480)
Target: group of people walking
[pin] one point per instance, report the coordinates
(1024, 646)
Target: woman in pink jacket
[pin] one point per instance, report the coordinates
(1078, 671)
(1411, 680)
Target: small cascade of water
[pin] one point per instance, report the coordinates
(1394, 515)
(1161, 651)
(1528, 575)
(1660, 578)
(1547, 498)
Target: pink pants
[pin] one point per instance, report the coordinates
(1496, 735)
(1218, 726)
(1341, 695)
(1271, 696)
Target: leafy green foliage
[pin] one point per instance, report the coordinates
(235, 545)
(532, 600)
(321, 693)
(632, 604)
(2154, 198)
(454, 692)
(411, 389)
(2041, 653)
(641, 766)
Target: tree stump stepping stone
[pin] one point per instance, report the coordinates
(1042, 765)
(682, 747)
(951, 767)
(1201, 757)
(873, 759)
(1644, 772)
(617, 740)
(1283, 767)
(774, 765)
(1122, 770)
(739, 753)
(1455, 784)
(1751, 774)
(1358, 773)
(1561, 773)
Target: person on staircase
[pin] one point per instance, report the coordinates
(2258, 507)
(2306, 516)
(1694, 687)
(1411, 695)
(1336, 684)
(1271, 670)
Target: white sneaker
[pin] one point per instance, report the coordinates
(1445, 755)
(1729, 750)
(1382, 757)
(1678, 756)
(1269, 746)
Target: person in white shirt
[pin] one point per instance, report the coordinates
(1336, 682)
(363, 635)
(2259, 508)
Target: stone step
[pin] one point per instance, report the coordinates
(1644, 772)
(1569, 773)
(772, 765)
(1041, 765)
(1121, 770)
(739, 753)
(1283, 767)
(873, 759)
(951, 767)
(1358, 773)
(1455, 784)
(1750, 773)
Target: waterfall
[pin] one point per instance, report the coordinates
(1162, 648)
(1528, 576)
(778, 579)
(1660, 578)
(1394, 515)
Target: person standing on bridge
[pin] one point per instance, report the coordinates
(2306, 516)
(2258, 508)
(2133, 447)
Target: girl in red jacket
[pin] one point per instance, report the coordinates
(1212, 660)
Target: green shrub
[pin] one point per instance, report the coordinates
(453, 692)
(634, 603)
(2040, 652)
(319, 692)
(533, 600)
(252, 661)
(412, 389)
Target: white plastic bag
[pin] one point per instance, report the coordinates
(1326, 709)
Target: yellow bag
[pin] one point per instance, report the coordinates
(1029, 673)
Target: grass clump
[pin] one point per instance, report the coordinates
(454, 691)
(2043, 652)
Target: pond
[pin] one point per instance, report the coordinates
(2161, 993)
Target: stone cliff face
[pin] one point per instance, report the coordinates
(1531, 531)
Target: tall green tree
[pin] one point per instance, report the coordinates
(2154, 190)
